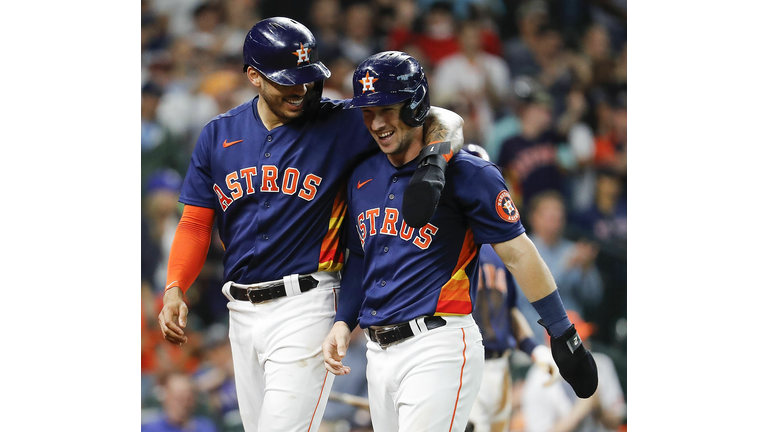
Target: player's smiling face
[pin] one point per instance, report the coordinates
(393, 136)
(285, 103)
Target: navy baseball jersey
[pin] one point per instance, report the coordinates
(278, 195)
(433, 270)
(496, 296)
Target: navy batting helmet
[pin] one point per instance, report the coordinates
(476, 150)
(284, 51)
(391, 77)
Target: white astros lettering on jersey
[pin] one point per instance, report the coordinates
(441, 275)
(272, 190)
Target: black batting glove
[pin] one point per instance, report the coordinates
(423, 192)
(577, 366)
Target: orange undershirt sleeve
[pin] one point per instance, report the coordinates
(190, 247)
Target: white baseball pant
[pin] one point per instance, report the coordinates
(280, 376)
(429, 382)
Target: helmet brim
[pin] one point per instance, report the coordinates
(300, 75)
(377, 99)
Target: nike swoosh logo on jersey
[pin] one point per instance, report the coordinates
(359, 185)
(227, 144)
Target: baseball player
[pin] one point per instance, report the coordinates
(270, 172)
(413, 290)
(504, 328)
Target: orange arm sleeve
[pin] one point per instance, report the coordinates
(190, 247)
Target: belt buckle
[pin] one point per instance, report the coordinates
(395, 329)
(260, 288)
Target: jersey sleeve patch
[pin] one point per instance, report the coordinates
(505, 208)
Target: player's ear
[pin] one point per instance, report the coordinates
(254, 77)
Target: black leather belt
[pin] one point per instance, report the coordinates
(270, 291)
(493, 354)
(388, 335)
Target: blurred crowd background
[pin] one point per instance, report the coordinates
(541, 85)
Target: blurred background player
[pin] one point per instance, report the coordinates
(179, 397)
(504, 328)
(555, 408)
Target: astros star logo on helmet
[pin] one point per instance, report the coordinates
(368, 82)
(302, 53)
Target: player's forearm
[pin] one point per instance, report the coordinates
(521, 330)
(444, 125)
(351, 293)
(190, 247)
(524, 262)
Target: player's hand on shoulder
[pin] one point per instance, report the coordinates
(335, 348)
(173, 316)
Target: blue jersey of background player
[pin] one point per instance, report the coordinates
(497, 296)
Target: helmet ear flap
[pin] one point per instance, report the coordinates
(414, 113)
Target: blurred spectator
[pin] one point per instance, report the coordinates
(464, 9)
(325, 25)
(438, 40)
(557, 408)
(160, 147)
(572, 264)
(339, 85)
(401, 32)
(529, 160)
(208, 31)
(226, 87)
(519, 51)
(561, 71)
(606, 220)
(178, 13)
(473, 79)
(613, 15)
(606, 223)
(238, 17)
(152, 133)
(161, 210)
(179, 400)
(154, 35)
(611, 142)
(596, 53)
(358, 42)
